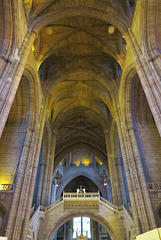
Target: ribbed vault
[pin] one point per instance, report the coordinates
(79, 52)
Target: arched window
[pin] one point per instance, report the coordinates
(81, 225)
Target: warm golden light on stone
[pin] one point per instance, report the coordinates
(98, 161)
(49, 31)
(86, 161)
(111, 29)
(80, 79)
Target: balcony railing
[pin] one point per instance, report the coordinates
(81, 195)
(110, 204)
(94, 196)
(54, 204)
(75, 196)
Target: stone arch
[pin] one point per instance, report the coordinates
(150, 23)
(16, 128)
(96, 145)
(94, 216)
(6, 28)
(151, 48)
(134, 152)
(77, 173)
(139, 108)
(103, 99)
(145, 128)
(75, 67)
(110, 15)
(21, 118)
(126, 89)
(99, 116)
(35, 93)
(94, 43)
(124, 92)
(9, 38)
(84, 145)
(27, 159)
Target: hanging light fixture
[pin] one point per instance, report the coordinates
(105, 178)
(57, 179)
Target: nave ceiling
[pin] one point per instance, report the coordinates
(79, 59)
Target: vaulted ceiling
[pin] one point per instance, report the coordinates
(79, 59)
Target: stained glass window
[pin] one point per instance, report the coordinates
(81, 224)
(86, 227)
(76, 226)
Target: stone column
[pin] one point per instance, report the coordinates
(109, 191)
(93, 230)
(23, 195)
(10, 82)
(94, 161)
(39, 135)
(139, 196)
(9, 22)
(42, 172)
(48, 178)
(65, 231)
(19, 203)
(97, 230)
(148, 75)
(53, 193)
(70, 230)
(68, 161)
(115, 174)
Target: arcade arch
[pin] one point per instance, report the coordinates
(108, 228)
(47, 232)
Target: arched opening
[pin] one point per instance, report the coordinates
(81, 168)
(147, 138)
(146, 132)
(13, 137)
(94, 217)
(79, 181)
(82, 227)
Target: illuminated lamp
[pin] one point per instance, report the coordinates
(57, 179)
(111, 29)
(105, 181)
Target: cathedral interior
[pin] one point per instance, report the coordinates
(80, 119)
